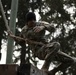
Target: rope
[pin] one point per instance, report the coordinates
(26, 40)
(4, 17)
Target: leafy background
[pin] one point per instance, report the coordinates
(60, 13)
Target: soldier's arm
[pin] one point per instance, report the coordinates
(42, 25)
(19, 39)
(48, 26)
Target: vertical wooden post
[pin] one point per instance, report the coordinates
(12, 24)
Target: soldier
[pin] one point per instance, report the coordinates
(44, 50)
(36, 31)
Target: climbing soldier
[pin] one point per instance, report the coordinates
(41, 48)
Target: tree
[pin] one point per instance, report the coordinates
(56, 12)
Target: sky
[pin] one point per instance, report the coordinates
(3, 51)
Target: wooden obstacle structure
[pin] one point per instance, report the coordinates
(23, 69)
(8, 69)
(28, 69)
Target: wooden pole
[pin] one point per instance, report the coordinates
(12, 24)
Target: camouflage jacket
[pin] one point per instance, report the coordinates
(39, 37)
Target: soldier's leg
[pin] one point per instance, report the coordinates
(62, 67)
(65, 60)
(45, 66)
(50, 55)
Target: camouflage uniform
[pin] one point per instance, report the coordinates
(40, 51)
(48, 51)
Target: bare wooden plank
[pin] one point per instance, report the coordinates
(8, 69)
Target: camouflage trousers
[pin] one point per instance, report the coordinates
(50, 53)
(46, 50)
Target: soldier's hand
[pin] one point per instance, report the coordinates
(38, 28)
(10, 34)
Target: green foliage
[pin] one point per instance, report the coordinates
(52, 11)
